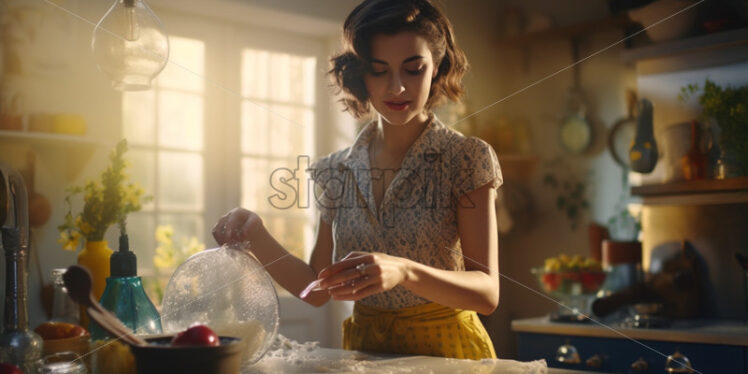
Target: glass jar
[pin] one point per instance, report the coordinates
(62, 363)
(64, 309)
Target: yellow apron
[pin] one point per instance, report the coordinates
(429, 329)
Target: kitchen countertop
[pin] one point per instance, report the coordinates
(310, 358)
(566, 371)
(706, 332)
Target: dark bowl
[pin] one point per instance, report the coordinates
(160, 357)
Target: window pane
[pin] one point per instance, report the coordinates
(280, 79)
(139, 117)
(301, 72)
(302, 138)
(263, 179)
(254, 182)
(180, 181)
(143, 171)
(186, 67)
(310, 76)
(186, 226)
(281, 123)
(141, 228)
(291, 131)
(255, 128)
(180, 120)
(255, 73)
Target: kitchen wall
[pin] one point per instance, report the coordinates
(714, 230)
(58, 76)
(603, 78)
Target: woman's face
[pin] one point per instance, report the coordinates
(400, 77)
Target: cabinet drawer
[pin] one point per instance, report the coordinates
(618, 354)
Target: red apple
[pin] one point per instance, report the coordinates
(9, 369)
(196, 335)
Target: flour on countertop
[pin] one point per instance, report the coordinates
(291, 357)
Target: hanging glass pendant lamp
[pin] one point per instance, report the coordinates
(130, 45)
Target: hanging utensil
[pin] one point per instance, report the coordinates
(576, 129)
(643, 153)
(622, 133)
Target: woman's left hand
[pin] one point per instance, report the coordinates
(362, 274)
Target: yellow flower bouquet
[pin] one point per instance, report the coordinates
(105, 202)
(168, 256)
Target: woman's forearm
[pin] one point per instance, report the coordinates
(289, 271)
(473, 289)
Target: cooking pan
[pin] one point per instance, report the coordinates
(622, 134)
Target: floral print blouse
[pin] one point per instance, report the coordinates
(417, 218)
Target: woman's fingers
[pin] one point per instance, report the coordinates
(219, 230)
(340, 278)
(355, 288)
(236, 226)
(349, 261)
(366, 292)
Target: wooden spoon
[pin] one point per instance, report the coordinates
(78, 282)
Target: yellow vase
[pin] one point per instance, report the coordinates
(95, 257)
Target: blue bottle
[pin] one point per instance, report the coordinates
(125, 297)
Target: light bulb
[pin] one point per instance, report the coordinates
(130, 45)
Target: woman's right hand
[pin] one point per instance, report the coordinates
(237, 226)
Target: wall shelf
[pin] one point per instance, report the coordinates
(721, 48)
(700, 192)
(569, 31)
(78, 149)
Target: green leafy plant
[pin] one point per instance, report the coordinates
(105, 202)
(622, 225)
(728, 106)
(570, 190)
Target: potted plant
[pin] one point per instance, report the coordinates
(728, 108)
(106, 201)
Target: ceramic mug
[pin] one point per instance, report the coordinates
(676, 140)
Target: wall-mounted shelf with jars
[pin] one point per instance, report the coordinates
(698, 192)
(701, 51)
(78, 149)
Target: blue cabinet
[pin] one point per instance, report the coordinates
(618, 355)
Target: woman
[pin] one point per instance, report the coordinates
(407, 225)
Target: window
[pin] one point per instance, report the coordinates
(277, 141)
(175, 150)
(164, 127)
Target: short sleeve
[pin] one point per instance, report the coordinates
(325, 188)
(476, 165)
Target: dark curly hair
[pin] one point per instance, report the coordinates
(373, 17)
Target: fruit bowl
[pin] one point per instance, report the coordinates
(160, 356)
(565, 283)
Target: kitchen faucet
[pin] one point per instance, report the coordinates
(18, 345)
